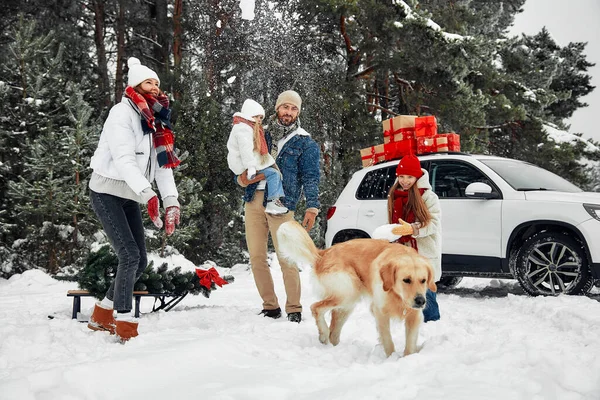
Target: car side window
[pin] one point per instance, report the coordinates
(449, 179)
(377, 183)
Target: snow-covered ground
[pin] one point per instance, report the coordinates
(493, 342)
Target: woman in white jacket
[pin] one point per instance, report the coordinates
(416, 209)
(135, 148)
(247, 150)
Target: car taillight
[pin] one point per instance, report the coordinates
(330, 212)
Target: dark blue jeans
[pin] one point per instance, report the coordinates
(432, 310)
(122, 223)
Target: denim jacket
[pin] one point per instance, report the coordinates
(298, 161)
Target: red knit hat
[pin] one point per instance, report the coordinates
(409, 165)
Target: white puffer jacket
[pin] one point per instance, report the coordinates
(240, 147)
(125, 161)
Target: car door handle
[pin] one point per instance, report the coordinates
(370, 213)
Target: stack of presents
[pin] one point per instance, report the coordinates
(406, 134)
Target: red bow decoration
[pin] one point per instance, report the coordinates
(209, 276)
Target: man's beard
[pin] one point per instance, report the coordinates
(290, 120)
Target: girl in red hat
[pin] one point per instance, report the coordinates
(416, 209)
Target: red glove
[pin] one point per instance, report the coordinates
(154, 213)
(172, 219)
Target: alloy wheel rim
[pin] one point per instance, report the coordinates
(553, 268)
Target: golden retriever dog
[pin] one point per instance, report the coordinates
(394, 277)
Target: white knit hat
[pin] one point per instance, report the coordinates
(289, 97)
(250, 108)
(138, 73)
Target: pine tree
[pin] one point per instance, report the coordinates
(44, 192)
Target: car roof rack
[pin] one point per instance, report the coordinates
(460, 153)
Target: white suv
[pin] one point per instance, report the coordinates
(500, 218)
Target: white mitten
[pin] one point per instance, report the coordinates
(251, 172)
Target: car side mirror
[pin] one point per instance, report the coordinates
(480, 190)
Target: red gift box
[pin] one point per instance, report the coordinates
(372, 155)
(399, 128)
(447, 142)
(397, 150)
(426, 145)
(425, 126)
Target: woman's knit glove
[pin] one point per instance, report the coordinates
(154, 213)
(403, 229)
(171, 219)
(151, 199)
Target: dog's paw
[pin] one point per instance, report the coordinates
(408, 352)
(334, 339)
(324, 338)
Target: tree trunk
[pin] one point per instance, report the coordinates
(177, 45)
(218, 14)
(101, 52)
(120, 51)
(162, 33)
(75, 225)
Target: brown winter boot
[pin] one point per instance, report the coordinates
(126, 330)
(102, 319)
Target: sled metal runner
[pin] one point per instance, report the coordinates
(164, 304)
(162, 301)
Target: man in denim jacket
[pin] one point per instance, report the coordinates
(298, 157)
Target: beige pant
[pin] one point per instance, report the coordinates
(258, 226)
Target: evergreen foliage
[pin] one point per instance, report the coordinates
(354, 63)
(100, 269)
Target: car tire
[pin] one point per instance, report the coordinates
(551, 263)
(448, 282)
(349, 234)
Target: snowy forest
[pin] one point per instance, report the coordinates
(354, 62)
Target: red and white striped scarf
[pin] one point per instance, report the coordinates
(155, 119)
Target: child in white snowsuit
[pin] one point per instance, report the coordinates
(247, 150)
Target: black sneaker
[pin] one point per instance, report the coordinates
(276, 313)
(295, 317)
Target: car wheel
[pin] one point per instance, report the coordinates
(349, 234)
(448, 282)
(552, 263)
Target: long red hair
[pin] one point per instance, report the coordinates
(415, 203)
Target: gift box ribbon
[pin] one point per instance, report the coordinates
(373, 155)
(427, 125)
(391, 132)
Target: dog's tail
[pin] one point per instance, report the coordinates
(295, 244)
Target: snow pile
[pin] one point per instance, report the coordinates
(493, 342)
(385, 232)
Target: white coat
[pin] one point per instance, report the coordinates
(125, 154)
(240, 149)
(429, 238)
